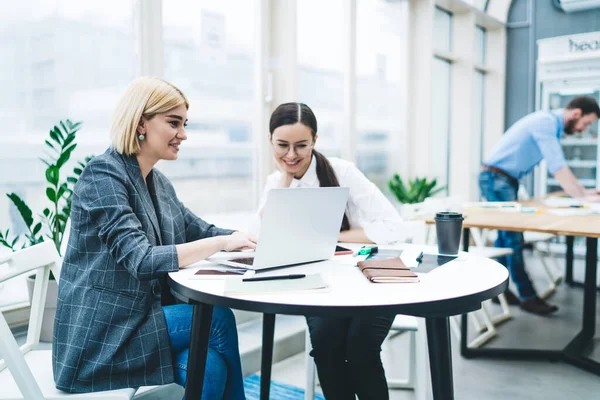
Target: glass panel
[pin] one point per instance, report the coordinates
(442, 30)
(477, 139)
(209, 55)
(381, 54)
(64, 59)
(480, 45)
(440, 127)
(479, 4)
(320, 68)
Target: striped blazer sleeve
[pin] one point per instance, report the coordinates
(196, 228)
(103, 194)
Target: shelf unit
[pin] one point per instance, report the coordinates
(581, 164)
(561, 75)
(588, 183)
(587, 141)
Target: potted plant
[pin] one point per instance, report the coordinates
(52, 222)
(417, 191)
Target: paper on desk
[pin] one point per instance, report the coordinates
(568, 212)
(495, 205)
(555, 201)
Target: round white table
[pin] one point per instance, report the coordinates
(457, 287)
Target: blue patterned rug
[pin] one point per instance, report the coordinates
(279, 391)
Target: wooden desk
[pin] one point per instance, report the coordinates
(588, 226)
(576, 225)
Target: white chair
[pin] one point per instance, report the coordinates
(26, 373)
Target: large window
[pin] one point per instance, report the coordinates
(320, 68)
(478, 108)
(477, 130)
(442, 34)
(441, 95)
(440, 126)
(62, 59)
(480, 45)
(209, 55)
(381, 57)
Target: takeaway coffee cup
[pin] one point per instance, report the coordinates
(448, 226)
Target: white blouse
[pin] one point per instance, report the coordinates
(367, 207)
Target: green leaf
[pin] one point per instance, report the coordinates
(61, 190)
(76, 126)
(50, 145)
(51, 194)
(54, 136)
(72, 180)
(59, 132)
(46, 212)
(37, 229)
(78, 171)
(52, 175)
(64, 157)
(23, 209)
(69, 140)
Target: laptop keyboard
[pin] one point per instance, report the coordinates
(245, 260)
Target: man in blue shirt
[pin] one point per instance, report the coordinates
(531, 139)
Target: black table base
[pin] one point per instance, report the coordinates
(201, 321)
(577, 351)
(440, 358)
(438, 339)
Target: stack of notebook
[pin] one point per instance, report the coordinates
(391, 270)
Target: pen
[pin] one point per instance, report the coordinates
(420, 257)
(274, 278)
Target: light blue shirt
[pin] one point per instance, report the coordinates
(531, 139)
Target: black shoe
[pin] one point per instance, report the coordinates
(538, 306)
(511, 299)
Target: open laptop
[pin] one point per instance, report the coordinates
(299, 225)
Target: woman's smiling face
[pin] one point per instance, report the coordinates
(164, 133)
(292, 148)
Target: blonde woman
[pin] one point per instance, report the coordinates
(117, 325)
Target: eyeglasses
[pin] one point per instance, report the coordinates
(301, 149)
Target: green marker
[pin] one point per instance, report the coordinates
(365, 251)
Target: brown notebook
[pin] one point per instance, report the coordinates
(390, 270)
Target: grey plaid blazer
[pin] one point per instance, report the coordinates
(110, 331)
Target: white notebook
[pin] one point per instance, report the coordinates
(311, 282)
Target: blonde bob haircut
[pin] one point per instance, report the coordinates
(146, 96)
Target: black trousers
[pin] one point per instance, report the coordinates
(347, 352)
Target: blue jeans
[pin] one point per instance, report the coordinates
(497, 187)
(223, 373)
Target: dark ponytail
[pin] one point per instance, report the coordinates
(291, 113)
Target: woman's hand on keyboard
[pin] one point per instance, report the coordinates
(239, 241)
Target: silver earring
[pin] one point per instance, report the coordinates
(141, 137)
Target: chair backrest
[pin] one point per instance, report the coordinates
(523, 194)
(41, 258)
